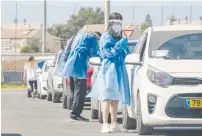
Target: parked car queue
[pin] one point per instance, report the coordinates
(165, 76)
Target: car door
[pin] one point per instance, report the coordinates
(133, 70)
(50, 74)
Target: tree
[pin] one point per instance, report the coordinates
(76, 22)
(200, 18)
(32, 46)
(147, 23)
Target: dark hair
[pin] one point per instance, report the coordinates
(98, 33)
(31, 58)
(116, 16)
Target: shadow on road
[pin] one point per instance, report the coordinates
(10, 134)
(178, 132)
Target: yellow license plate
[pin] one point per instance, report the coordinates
(193, 103)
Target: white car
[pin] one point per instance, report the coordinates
(165, 74)
(43, 78)
(54, 88)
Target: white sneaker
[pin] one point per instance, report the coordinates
(114, 128)
(105, 128)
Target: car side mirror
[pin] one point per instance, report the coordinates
(95, 61)
(52, 64)
(133, 59)
(38, 71)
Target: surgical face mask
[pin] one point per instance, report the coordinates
(116, 28)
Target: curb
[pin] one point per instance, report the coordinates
(13, 89)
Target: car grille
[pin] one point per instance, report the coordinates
(186, 81)
(175, 107)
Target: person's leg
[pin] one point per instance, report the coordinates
(113, 110)
(35, 87)
(79, 98)
(31, 84)
(72, 84)
(105, 114)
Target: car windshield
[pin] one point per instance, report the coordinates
(131, 46)
(176, 45)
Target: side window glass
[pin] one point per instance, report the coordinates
(142, 50)
(139, 44)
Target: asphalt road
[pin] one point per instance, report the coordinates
(22, 116)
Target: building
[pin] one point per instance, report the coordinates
(14, 38)
(180, 22)
(92, 28)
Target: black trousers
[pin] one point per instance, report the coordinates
(33, 84)
(79, 94)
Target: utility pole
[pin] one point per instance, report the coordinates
(133, 13)
(44, 29)
(190, 14)
(162, 14)
(106, 13)
(16, 23)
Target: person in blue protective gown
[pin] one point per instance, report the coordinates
(84, 46)
(63, 57)
(111, 85)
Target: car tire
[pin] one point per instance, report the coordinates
(69, 102)
(94, 114)
(49, 97)
(141, 128)
(28, 93)
(64, 101)
(42, 96)
(128, 123)
(55, 97)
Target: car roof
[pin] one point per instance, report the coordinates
(132, 40)
(176, 28)
(44, 57)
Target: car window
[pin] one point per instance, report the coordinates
(131, 46)
(139, 44)
(143, 46)
(177, 44)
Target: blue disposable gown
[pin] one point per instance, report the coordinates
(61, 62)
(112, 80)
(84, 46)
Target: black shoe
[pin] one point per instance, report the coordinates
(73, 118)
(80, 118)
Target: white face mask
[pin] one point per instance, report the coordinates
(116, 28)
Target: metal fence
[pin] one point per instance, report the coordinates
(13, 66)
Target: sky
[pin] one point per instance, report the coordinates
(60, 11)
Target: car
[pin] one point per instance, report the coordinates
(67, 94)
(165, 74)
(54, 87)
(96, 105)
(43, 78)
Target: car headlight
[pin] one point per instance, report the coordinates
(158, 77)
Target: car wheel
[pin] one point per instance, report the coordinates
(128, 123)
(55, 97)
(64, 101)
(49, 97)
(42, 96)
(29, 93)
(141, 128)
(94, 114)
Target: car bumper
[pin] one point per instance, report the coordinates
(170, 105)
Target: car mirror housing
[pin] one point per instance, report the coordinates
(133, 59)
(95, 61)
